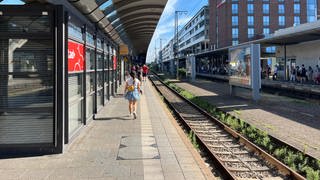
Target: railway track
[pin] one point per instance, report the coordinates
(233, 155)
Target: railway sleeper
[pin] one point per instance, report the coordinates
(194, 123)
(223, 146)
(211, 130)
(210, 140)
(227, 152)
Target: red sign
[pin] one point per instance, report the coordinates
(75, 56)
(114, 62)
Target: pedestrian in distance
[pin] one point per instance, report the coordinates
(303, 73)
(145, 71)
(310, 73)
(275, 73)
(292, 74)
(132, 93)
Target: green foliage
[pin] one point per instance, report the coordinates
(182, 72)
(280, 153)
(312, 174)
(192, 137)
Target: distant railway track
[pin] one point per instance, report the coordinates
(233, 155)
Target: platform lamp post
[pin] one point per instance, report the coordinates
(161, 55)
(176, 46)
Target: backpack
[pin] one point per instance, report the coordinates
(303, 71)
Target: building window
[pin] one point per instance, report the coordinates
(250, 20)
(265, 8)
(282, 21)
(266, 20)
(296, 8)
(271, 49)
(235, 33)
(234, 8)
(266, 31)
(250, 32)
(281, 8)
(235, 42)
(250, 8)
(280, 0)
(296, 20)
(235, 21)
(311, 10)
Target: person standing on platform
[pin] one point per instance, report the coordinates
(293, 74)
(132, 93)
(310, 73)
(275, 73)
(303, 74)
(145, 70)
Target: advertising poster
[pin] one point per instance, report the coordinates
(240, 66)
(75, 56)
(114, 62)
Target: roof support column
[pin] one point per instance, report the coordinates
(285, 63)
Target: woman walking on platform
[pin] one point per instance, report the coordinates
(132, 90)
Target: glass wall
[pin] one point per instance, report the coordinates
(100, 78)
(76, 68)
(111, 76)
(26, 81)
(106, 73)
(90, 82)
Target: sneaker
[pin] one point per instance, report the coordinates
(130, 115)
(135, 115)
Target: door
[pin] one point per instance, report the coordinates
(27, 117)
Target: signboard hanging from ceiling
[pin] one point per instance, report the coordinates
(124, 50)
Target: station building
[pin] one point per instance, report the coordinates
(234, 22)
(61, 62)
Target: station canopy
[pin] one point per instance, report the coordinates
(293, 35)
(130, 22)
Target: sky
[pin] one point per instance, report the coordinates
(11, 2)
(165, 28)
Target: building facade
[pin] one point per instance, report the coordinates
(192, 38)
(237, 21)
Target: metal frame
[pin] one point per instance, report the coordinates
(56, 20)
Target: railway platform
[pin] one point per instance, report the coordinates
(293, 121)
(116, 146)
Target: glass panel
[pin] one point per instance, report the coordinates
(90, 103)
(100, 98)
(25, 24)
(90, 62)
(74, 31)
(90, 39)
(26, 91)
(99, 61)
(99, 43)
(75, 116)
(100, 79)
(75, 86)
(90, 82)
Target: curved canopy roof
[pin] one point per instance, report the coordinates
(131, 22)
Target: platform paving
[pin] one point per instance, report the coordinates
(294, 121)
(116, 146)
